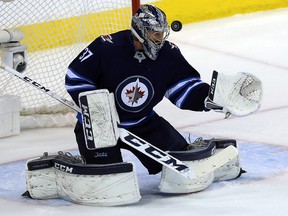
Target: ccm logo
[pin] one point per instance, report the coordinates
(150, 150)
(63, 168)
(37, 85)
(87, 122)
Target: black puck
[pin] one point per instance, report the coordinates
(176, 25)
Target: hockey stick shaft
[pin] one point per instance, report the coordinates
(41, 88)
(156, 154)
(127, 137)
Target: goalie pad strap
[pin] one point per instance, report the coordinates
(195, 154)
(82, 169)
(203, 152)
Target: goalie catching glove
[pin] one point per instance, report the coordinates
(239, 94)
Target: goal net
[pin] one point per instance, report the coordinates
(55, 32)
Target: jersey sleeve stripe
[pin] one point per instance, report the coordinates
(79, 87)
(181, 99)
(179, 86)
(128, 124)
(72, 75)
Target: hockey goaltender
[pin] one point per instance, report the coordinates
(116, 81)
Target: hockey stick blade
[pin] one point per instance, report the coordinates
(156, 154)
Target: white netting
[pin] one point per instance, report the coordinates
(55, 31)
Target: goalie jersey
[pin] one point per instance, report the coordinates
(138, 83)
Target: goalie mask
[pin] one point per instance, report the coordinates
(150, 27)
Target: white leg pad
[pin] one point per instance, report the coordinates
(205, 169)
(99, 190)
(99, 185)
(173, 183)
(41, 183)
(228, 171)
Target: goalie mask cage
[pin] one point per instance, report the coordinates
(55, 32)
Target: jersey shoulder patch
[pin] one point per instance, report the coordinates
(106, 38)
(173, 46)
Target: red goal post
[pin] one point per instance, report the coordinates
(135, 6)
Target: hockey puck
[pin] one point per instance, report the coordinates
(176, 25)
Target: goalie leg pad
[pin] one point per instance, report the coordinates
(41, 177)
(99, 190)
(41, 184)
(173, 183)
(229, 170)
(205, 169)
(87, 184)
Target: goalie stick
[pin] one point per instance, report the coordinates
(156, 154)
(130, 139)
(137, 143)
(41, 88)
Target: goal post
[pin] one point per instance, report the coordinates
(135, 6)
(55, 32)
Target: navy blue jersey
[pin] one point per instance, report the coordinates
(139, 83)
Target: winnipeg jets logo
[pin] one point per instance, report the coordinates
(134, 93)
(140, 56)
(85, 55)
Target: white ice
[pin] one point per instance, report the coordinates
(255, 43)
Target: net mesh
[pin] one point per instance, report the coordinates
(55, 31)
(246, 94)
(249, 91)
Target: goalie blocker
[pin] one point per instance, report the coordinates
(100, 119)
